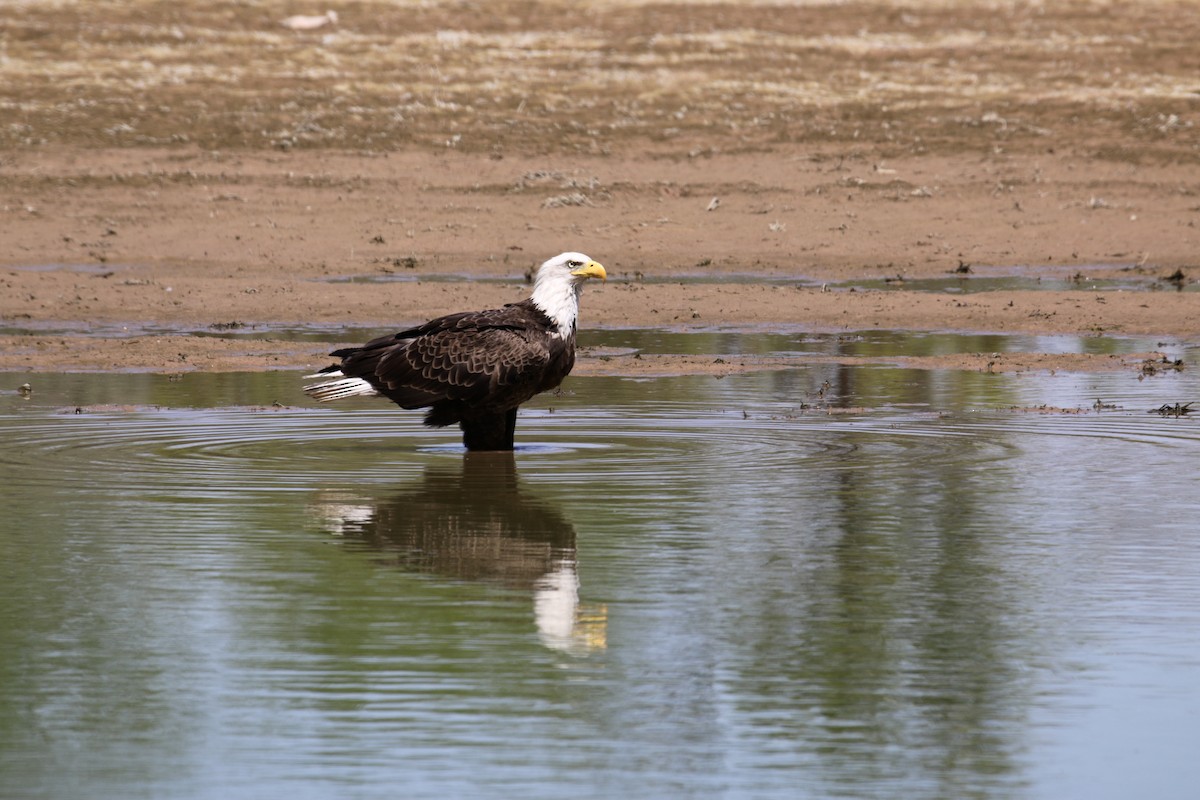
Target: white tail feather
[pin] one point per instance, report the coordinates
(339, 389)
(330, 374)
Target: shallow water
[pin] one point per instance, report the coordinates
(979, 279)
(683, 587)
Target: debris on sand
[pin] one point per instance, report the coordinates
(1152, 366)
(1177, 410)
(310, 22)
(1178, 279)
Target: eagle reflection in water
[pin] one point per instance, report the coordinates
(471, 520)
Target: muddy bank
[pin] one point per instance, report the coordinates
(179, 354)
(733, 165)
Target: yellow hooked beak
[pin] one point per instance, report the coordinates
(591, 269)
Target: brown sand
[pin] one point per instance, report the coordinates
(175, 169)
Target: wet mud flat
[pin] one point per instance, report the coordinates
(624, 352)
(181, 168)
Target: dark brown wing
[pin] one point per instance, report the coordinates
(492, 360)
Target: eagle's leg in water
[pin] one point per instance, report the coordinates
(491, 432)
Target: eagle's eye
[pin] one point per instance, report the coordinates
(573, 264)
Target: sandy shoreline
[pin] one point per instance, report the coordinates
(716, 200)
(175, 257)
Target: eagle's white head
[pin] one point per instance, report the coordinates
(557, 285)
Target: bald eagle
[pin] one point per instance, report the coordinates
(473, 368)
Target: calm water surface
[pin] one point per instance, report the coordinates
(683, 587)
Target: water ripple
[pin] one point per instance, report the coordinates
(327, 593)
(243, 449)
